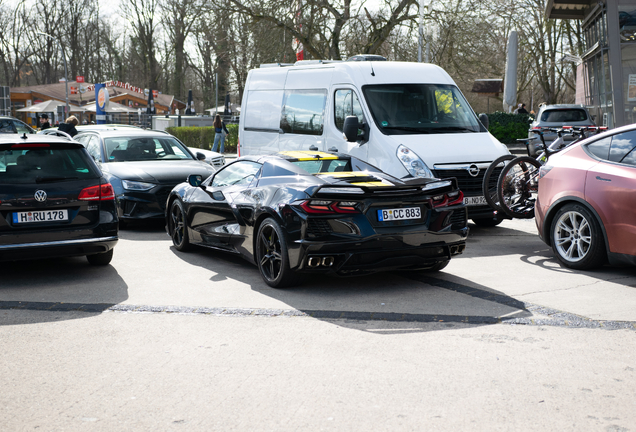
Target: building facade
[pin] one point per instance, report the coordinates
(608, 70)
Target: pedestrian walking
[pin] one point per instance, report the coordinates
(69, 126)
(44, 122)
(220, 132)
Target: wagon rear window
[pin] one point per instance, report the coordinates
(40, 165)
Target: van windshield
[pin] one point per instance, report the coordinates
(400, 109)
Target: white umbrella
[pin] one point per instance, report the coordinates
(112, 107)
(221, 109)
(48, 106)
(510, 80)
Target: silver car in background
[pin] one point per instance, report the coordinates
(557, 116)
(217, 160)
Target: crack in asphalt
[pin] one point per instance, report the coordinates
(539, 316)
(584, 285)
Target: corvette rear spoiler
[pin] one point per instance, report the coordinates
(378, 189)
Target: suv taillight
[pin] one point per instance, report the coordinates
(103, 192)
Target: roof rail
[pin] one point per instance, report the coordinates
(270, 65)
(313, 62)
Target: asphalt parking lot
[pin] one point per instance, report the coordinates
(506, 275)
(502, 339)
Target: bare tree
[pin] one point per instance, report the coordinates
(179, 18)
(323, 22)
(143, 21)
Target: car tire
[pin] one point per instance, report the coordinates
(178, 227)
(577, 239)
(272, 258)
(100, 259)
(487, 222)
(437, 267)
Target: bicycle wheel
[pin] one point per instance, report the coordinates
(489, 185)
(517, 187)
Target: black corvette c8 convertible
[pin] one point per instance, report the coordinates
(319, 212)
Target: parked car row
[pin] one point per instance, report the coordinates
(395, 193)
(290, 213)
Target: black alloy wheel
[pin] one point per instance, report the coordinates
(271, 255)
(178, 228)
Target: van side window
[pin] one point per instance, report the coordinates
(303, 111)
(346, 104)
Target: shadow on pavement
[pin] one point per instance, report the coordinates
(42, 284)
(384, 302)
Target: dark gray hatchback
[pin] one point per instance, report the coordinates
(54, 201)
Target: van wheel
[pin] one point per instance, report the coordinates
(487, 222)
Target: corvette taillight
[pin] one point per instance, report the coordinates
(329, 207)
(449, 199)
(103, 192)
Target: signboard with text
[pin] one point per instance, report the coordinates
(631, 88)
(79, 79)
(101, 103)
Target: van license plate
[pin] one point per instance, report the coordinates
(399, 214)
(475, 200)
(40, 216)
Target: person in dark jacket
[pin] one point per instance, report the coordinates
(522, 109)
(69, 126)
(44, 122)
(220, 131)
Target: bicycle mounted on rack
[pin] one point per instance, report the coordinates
(517, 178)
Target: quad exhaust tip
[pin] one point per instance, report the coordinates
(314, 261)
(327, 261)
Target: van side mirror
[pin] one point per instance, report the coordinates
(483, 118)
(195, 180)
(351, 130)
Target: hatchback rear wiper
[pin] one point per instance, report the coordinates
(52, 179)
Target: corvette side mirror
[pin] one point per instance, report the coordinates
(195, 180)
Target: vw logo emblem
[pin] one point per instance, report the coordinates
(40, 196)
(473, 170)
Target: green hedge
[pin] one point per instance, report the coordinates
(203, 137)
(507, 128)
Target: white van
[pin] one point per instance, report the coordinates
(413, 119)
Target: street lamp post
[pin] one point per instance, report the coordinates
(68, 107)
(421, 5)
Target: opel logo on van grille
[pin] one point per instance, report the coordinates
(40, 196)
(473, 170)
